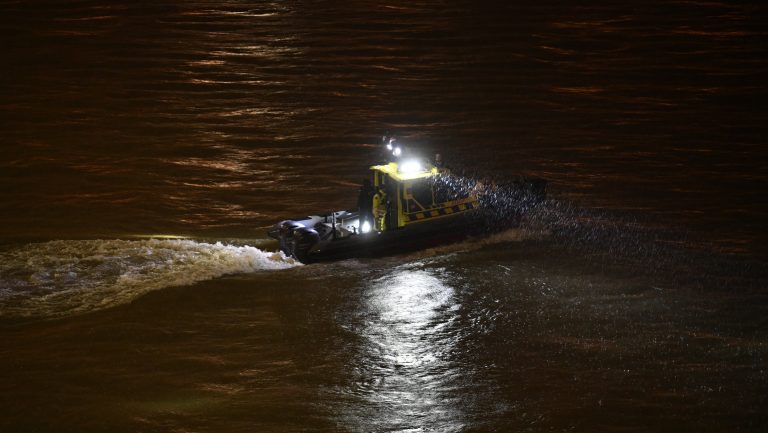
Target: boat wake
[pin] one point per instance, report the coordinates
(62, 278)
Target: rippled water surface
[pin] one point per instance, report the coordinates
(146, 146)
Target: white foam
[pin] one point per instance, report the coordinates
(70, 277)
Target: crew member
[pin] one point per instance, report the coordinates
(438, 161)
(380, 204)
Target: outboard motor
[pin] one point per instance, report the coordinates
(285, 235)
(303, 240)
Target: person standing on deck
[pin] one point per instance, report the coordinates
(380, 202)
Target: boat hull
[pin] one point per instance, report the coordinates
(337, 235)
(298, 241)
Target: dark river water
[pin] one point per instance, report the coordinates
(146, 146)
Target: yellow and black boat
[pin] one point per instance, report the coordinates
(413, 205)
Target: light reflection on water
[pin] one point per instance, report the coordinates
(409, 334)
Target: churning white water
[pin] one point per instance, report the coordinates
(70, 277)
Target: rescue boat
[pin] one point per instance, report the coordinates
(415, 205)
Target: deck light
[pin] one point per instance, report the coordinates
(410, 166)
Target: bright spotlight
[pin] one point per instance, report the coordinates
(366, 227)
(398, 151)
(411, 166)
(389, 143)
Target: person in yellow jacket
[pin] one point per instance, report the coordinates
(380, 209)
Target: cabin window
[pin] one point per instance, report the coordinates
(422, 193)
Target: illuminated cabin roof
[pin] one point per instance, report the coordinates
(393, 170)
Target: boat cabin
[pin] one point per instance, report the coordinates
(416, 194)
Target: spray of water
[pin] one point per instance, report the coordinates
(599, 235)
(62, 278)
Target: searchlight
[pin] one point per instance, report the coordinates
(410, 166)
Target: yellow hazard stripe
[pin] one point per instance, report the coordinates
(417, 216)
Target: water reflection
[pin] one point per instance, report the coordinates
(407, 376)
